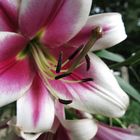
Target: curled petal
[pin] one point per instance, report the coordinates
(14, 80)
(112, 28)
(69, 20)
(10, 44)
(35, 110)
(33, 15)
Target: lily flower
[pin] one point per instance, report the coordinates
(44, 58)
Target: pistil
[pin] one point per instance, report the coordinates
(95, 35)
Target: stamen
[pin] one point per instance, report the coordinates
(66, 102)
(87, 79)
(88, 62)
(62, 76)
(75, 52)
(59, 64)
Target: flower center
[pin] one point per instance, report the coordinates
(51, 69)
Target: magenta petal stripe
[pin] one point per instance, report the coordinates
(68, 22)
(35, 110)
(14, 80)
(33, 15)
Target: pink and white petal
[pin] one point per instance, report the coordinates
(67, 23)
(14, 80)
(113, 133)
(5, 24)
(60, 89)
(113, 31)
(11, 8)
(11, 44)
(103, 95)
(35, 110)
(33, 15)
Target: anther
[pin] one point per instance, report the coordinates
(62, 76)
(87, 80)
(75, 52)
(59, 64)
(65, 102)
(88, 62)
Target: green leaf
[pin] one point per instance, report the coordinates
(110, 56)
(131, 61)
(128, 88)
